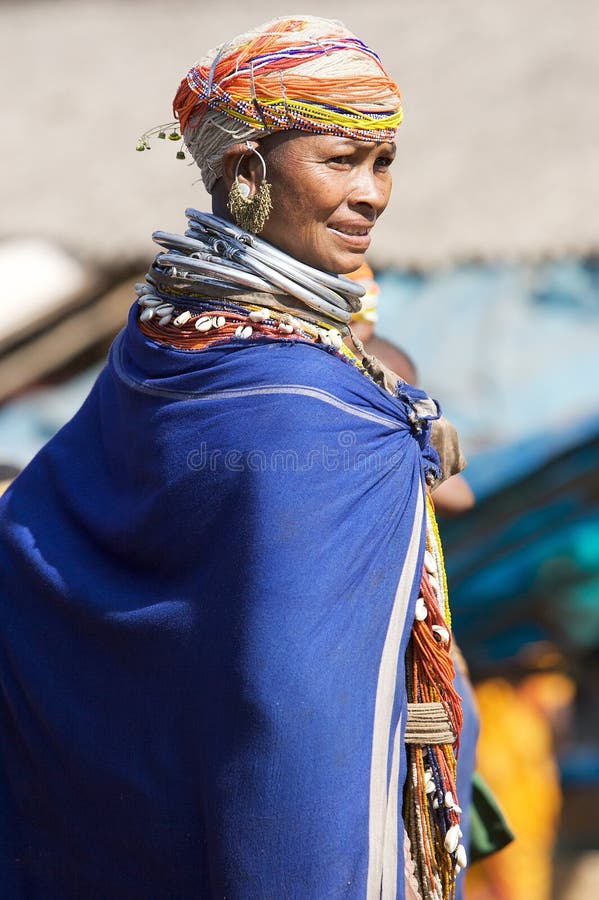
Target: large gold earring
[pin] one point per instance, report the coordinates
(250, 214)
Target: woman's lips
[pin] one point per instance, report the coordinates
(352, 236)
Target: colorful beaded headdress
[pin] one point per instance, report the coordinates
(301, 73)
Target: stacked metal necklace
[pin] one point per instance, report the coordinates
(217, 282)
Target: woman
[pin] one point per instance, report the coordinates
(226, 666)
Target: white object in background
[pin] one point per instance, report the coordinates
(37, 278)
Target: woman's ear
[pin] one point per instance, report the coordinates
(240, 158)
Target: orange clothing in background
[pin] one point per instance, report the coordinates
(515, 757)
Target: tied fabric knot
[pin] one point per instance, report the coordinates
(422, 412)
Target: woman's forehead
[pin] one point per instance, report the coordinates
(298, 143)
(354, 143)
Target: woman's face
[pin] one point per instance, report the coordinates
(327, 193)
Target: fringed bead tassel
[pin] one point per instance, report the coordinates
(431, 810)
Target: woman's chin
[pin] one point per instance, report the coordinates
(349, 263)
(327, 255)
(336, 262)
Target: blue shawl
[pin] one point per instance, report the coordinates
(207, 584)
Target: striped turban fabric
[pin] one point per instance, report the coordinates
(302, 73)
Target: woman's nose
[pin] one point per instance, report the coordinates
(369, 189)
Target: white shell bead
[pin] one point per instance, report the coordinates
(430, 787)
(433, 583)
(448, 800)
(452, 839)
(421, 610)
(441, 633)
(286, 328)
(460, 855)
(428, 774)
(243, 331)
(146, 315)
(429, 562)
(219, 321)
(165, 319)
(165, 309)
(336, 339)
(182, 318)
(204, 323)
(435, 803)
(260, 315)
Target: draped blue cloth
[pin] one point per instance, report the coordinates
(207, 584)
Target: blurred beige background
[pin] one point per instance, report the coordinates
(497, 155)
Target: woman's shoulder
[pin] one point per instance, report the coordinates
(297, 360)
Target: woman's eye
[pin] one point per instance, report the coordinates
(339, 159)
(384, 162)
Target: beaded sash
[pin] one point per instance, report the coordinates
(431, 811)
